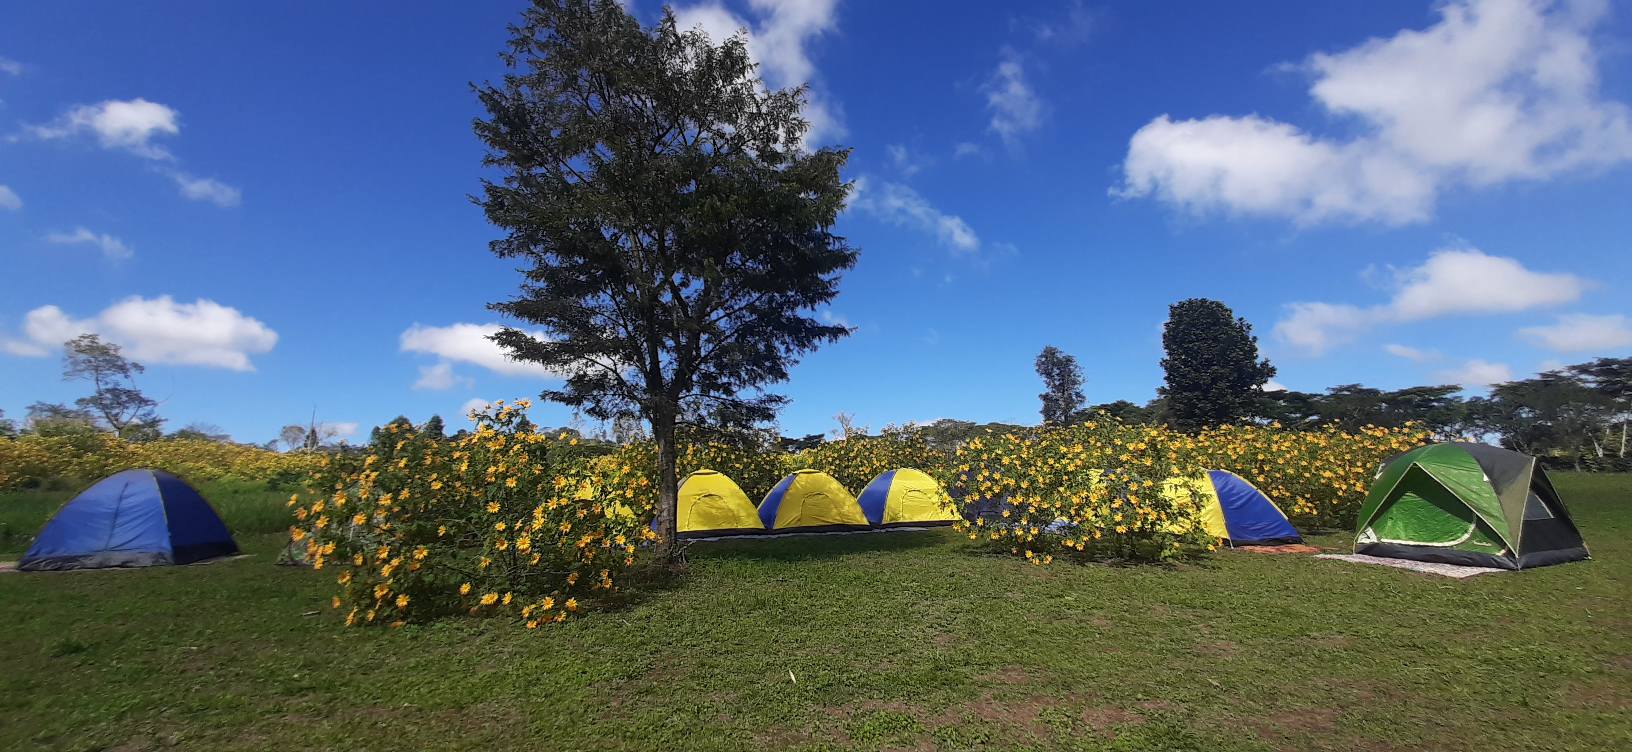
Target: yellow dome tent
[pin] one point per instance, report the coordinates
(712, 504)
(906, 497)
(1229, 508)
(810, 500)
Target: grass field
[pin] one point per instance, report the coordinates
(889, 641)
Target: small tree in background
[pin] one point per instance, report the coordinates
(676, 231)
(293, 437)
(434, 429)
(115, 400)
(1213, 373)
(1062, 386)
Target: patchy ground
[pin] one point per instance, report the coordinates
(904, 641)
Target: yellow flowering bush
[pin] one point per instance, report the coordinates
(1086, 491)
(855, 461)
(633, 468)
(30, 460)
(503, 522)
(1318, 478)
(1096, 488)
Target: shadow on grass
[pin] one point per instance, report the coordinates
(807, 547)
(1198, 560)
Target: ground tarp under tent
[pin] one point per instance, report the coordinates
(1467, 504)
(1234, 510)
(809, 500)
(134, 518)
(906, 497)
(711, 504)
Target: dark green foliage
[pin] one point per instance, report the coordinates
(1555, 412)
(201, 432)
(1353, 406)
(54, 419)
(674, 232)
(795, 445)
(1213, 373)
(379, 436)
(433, 429)
(1062, 386)
(1128, 412)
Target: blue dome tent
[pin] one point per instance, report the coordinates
(134, 518)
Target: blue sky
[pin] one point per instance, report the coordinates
(266, 203)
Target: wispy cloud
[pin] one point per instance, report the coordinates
(111, 247)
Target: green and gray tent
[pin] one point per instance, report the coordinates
(1470, 504)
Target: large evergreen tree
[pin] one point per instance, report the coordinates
(675, 232)
(1062, 386)
(1213, 373)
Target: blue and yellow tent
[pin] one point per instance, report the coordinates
(1232, 509)
(712, 504)
(810, 500)
(906, 497)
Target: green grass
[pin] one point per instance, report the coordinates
(892, 641)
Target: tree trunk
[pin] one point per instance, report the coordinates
(1623, 439)
(668, 490)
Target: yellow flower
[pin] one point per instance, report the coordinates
(402, 602)
(492, 507)
(506, 599)
(572, 604)
(489, 599)
(464, 589)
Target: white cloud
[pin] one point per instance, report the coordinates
(1496, 91)
(1477, 374)
(9, 199)
(1073, 28)
(340, 430)
(1016, 108)
(1452, 281)
(778, 39)
(1316, 327)
(110, 246)
(1580, 332)
(1253, 166)
(966, 149)
(155, 331)
(439, 377)
(469, 343)
(905, 161)
(475, 404)
(1273, 386)
(1468, 281)
(130, 125)
(829, 317)
(10, 67)
(901, 205)
(207, 189)
(1410, 353)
